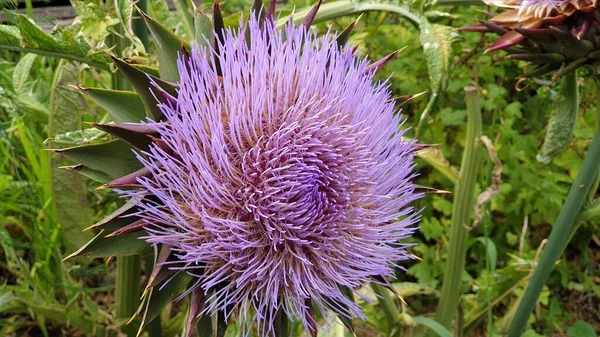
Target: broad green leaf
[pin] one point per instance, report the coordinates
(69, 190)
(34, 36)
(31, 107)
(22, 71)
(122, 245)
(122, 106)
(434, 326)
(168, 48)
(336, 9)
(114, 158)
(25, 36)
(562, 121)
(10, 36)
(581, 329)
(437, 47)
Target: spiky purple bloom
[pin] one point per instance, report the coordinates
(282, 180)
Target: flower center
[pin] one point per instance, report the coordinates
(299, 182)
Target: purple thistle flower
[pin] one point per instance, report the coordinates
(281, 181)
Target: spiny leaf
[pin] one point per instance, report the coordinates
(114, 158)
(168, 47)
(343, 37)
(119, 218)
(98, 176)
(197, 304)
(219, 29)
(159, 298)
(437, 46)
(160, 258)
(144, 85)
(134, 134)
(124, 245)
(122, 106)
(308, 20)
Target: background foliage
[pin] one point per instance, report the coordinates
(42, 296)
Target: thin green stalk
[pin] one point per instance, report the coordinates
(461, 211)
(336, 9)
(81, 59)
(127, 289)
(29, 7)
(560, 233)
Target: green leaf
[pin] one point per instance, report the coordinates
(69, 189)
(562, 121)
(158, 298)
(119, 218)
(492, 252)
(168, 48)
(122, 245)
(434, 326)
(437, 47)
(336, 9)
(22, 71)
(134, 134)
(114, 158)
(407, 289)
(10, 36)
(124, 12)
(581, 329)
(435, 157)
(98, 176)
(122, 106)
(143, 84)
(34, 110)
(25, 36)
(219, 324)
(203, 29)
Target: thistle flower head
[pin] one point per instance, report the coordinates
(281, 180)
(557, 35)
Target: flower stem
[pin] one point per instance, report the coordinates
(560, 233)
(461, 211)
